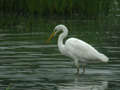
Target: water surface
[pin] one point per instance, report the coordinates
(27, 62)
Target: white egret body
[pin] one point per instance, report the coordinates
(77, 49)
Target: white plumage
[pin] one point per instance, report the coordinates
(77, 49)
(83, 51)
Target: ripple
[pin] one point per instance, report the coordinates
(30, 64)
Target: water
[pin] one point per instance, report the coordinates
(27, 62)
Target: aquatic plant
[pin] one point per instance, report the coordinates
(87, 8)
(8, 88)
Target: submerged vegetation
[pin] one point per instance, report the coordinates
(8, 88)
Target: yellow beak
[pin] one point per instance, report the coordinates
(51, 36)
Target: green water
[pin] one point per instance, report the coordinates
(27, 62)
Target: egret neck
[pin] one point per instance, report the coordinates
(61, 38)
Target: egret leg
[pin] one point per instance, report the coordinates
(77, 65)
(84, 66)
(77, 70)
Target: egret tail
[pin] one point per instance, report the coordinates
(104, 58)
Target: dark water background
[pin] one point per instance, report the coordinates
(27, 62)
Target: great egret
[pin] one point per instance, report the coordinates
(77, 49)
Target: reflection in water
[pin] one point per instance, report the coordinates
(76, 85)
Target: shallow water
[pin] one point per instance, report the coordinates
(27, 62)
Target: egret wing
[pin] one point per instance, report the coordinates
(81, 49)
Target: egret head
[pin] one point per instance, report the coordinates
(57, 29)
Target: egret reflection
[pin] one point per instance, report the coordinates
(84, 85)
(102, 86)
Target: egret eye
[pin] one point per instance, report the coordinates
(55, 30)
